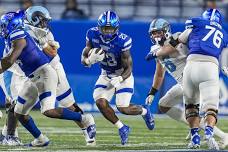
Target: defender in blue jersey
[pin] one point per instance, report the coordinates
(23, 50)
(206, 39)
(116, 71)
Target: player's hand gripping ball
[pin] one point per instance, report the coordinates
(96, 55)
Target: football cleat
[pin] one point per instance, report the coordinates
(2, 138)
(124, 132)
(12, 141)
(212, 144)
(149, 119)
(223, 143)
(89, 141)
(89, 123)
(39, 142)
(195, 141)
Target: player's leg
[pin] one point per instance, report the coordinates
(209, 93)
(46, 81)
(123, 98)
(11, 84)
(66, 99)
(191, 105)
(25, 102)
(103, 94)
(168, 104)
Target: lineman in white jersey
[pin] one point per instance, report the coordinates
(173, 61)
(38, 29)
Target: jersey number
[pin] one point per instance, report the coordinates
(170, 66)
(110, 60)
(217, 38)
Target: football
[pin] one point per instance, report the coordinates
(96, 55)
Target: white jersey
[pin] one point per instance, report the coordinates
(175, 62)
(43, 36)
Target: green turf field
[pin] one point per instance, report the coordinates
(66, 136)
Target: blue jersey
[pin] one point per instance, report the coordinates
(207, 38)
(31, 57)
(113, 49)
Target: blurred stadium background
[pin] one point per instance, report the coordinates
(72, 18)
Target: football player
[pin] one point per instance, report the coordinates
(172, 60)
(38, 18)
(21, 48)
(116, 72)
(206, 38)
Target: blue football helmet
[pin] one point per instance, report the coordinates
(159, 31)
(213, 15)
(11, 21)
(38, 16)
(108, 24)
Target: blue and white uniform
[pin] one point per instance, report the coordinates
(111, 67)
(34, 63)
(64, 94)
(206, 40)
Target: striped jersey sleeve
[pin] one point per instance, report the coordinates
(17, 34)
(127, 42)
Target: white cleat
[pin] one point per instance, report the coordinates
(89, 141)
(12, 141)
(40, 142)
(212, 144)
(90, 130)
(223, 143)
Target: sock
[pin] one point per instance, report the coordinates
(119, 124)
(218, 132)
(4, 130)
(70, 115)
(177, 114)
(144, 111)
(194, 131)
(209, 132)
(32, 128)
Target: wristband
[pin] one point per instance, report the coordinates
(153, 91)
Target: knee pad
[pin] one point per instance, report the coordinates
(211, 112)
(191, 110)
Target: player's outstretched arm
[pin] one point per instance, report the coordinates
(166, 50)
(85, 52)
(126, 62)
(157, 82)
(16, 49)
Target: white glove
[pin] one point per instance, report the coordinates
(115, 81)
(95, 57)
(55, 44)
(149, 99)
(225, 70)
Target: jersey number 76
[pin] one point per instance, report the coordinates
(217, 38)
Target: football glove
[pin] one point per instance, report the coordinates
(149, 99)
(95, 56)
(152, 54)
(115, 81)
